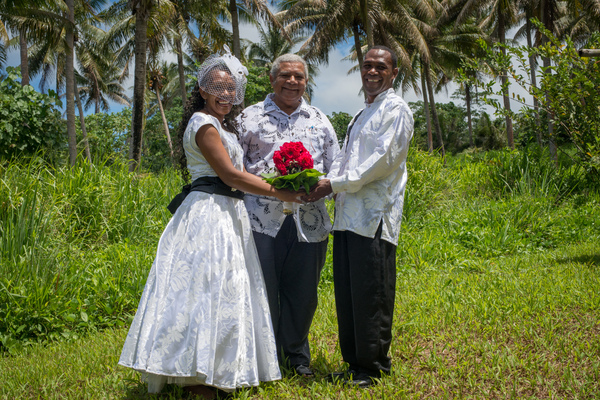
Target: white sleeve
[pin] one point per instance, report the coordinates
(395, 133)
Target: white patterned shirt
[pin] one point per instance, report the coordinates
(369, 175)
(264, 127)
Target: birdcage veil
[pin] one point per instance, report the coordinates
(223, 89)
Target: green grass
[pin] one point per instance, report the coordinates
(524, 326)
(498, 289)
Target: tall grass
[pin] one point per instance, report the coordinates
(75, 247)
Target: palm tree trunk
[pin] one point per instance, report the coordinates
(504, 79)
(141, 9)
(358, 48)
(436, 121)
(86, 143)
(181, 71)
(551, 141)
(468, 101)
(235, 28)
(357, 45)
(58, 76)
(364, 15)
(164, 120)
(426, 109)
(24, 58)
(70, 90)
(546, 19)
(533, 67)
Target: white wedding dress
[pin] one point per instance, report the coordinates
(204, 317)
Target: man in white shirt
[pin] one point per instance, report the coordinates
(291, 247)
(368, 178)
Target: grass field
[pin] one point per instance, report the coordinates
(498, 290)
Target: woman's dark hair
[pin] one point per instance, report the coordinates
(194, 104)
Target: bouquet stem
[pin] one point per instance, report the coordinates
(288, 208)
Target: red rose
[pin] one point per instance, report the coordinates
(288, 150)
(305, 160)
(292, 157)
(279, 163)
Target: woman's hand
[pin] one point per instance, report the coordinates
(289, 195)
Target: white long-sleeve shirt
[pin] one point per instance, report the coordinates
(264, 127)
(369, 175)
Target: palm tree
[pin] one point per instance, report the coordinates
(530, 9)
(22, 16)
(142, 32)
(443, 48)
(462, 48)
(272, 45)
(141, 9)
(329, 22)
(157, 75)
(205, 15)
(549, 10)
(60, 31)
(247, 10)
(70, 77)
(55, 25)
(500, 15)
(397, 24)
(583, 19)
(100, 78)
(4, 40)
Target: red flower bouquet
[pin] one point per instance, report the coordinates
(294, 168)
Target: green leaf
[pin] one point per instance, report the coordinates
(303, 179)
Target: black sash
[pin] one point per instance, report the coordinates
(207, 184)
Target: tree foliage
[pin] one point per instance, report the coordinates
(258, 86)
(29, 120)
(108, 133)
(487, 134)
(155, 149)
(568, 92)
(340, 121)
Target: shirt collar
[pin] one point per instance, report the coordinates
(270, 106)
(381, 96)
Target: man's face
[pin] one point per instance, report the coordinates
(289, 84)
(377, 73)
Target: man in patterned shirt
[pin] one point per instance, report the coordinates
(369, 177)
(291, 247)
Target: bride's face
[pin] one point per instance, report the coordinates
(221, 104)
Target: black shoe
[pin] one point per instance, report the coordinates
(360, 380)
(341, 376)
(303, 370)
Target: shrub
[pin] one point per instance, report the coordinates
(568, 93)
(29, 120)
(108, 135)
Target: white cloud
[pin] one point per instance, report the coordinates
(334, 89)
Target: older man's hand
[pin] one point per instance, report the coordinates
(320, 190)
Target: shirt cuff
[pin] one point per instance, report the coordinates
(338, 184)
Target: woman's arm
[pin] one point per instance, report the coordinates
(209, 142)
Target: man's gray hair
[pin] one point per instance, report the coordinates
(289, 58)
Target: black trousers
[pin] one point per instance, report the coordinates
(364, 276)
(291, 270)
